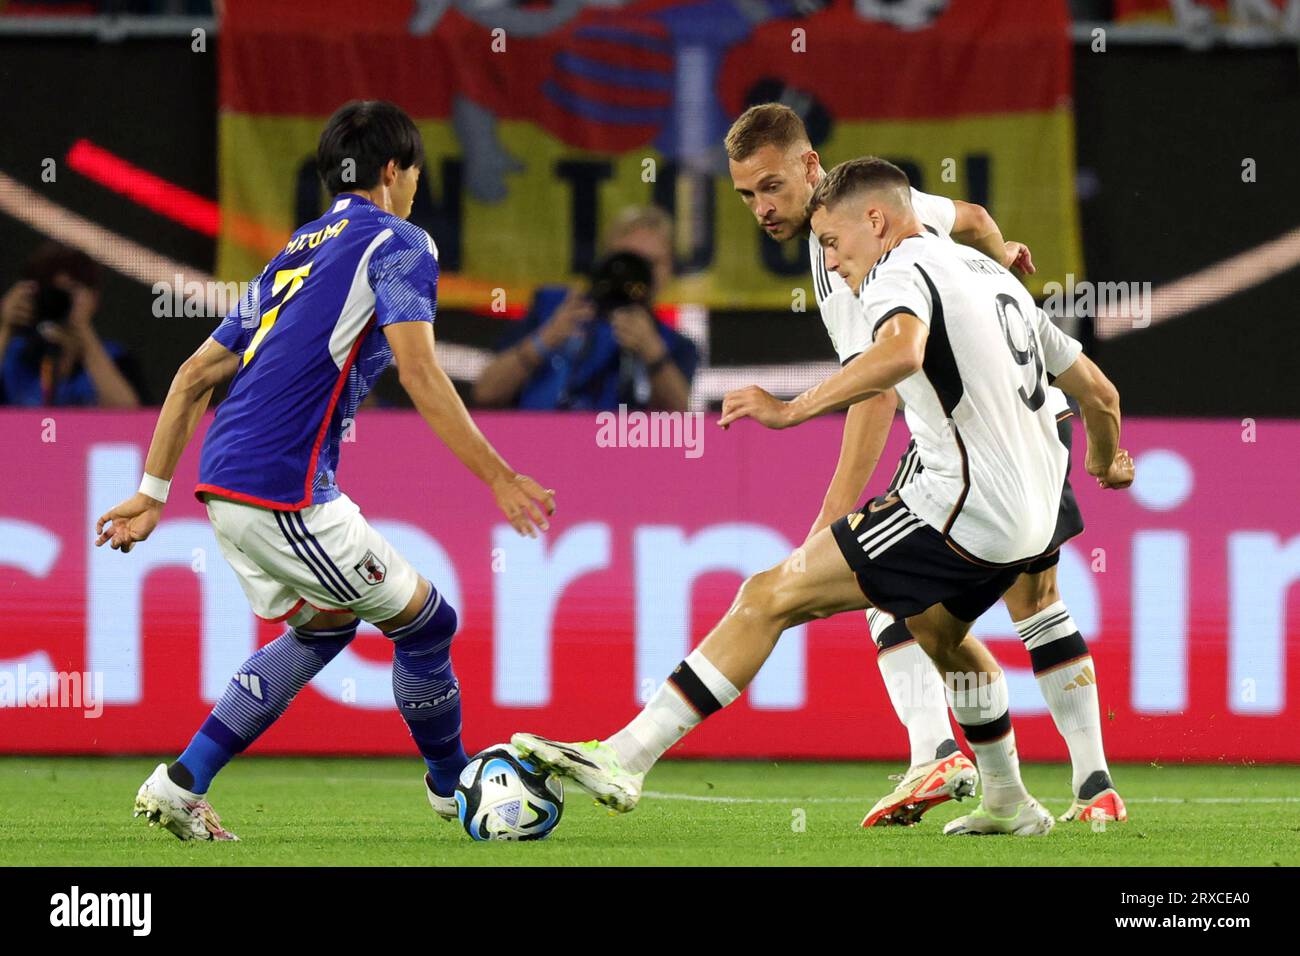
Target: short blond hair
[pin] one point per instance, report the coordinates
(635, 218)
(767, 124)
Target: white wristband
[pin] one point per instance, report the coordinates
(155, 488)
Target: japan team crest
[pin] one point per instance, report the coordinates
(371, 569)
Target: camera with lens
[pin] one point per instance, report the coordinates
(621, 279)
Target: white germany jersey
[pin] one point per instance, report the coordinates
(839, 309)
(848, 329)
(992, 464)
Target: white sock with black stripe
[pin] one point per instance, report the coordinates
(692, 692)
(983, 709)
(1066, 677)
(914, 687)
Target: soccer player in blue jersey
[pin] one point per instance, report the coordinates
(350, 292)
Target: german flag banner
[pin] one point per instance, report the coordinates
(543, 120)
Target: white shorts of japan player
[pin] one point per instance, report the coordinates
(326, 557)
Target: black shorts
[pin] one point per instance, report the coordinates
(904, 566)
(1043, 562)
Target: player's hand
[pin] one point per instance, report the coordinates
(1118, 474)
(753, 402)
(1018, 259)
(525, 503)
(131, 521)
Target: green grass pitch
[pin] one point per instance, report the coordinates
(75, 811)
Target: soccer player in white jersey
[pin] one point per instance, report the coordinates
(775, 169)
(969, 353)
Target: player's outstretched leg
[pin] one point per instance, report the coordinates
(977, 693)
(938, 771)
(1064, 669)
(713, 675)
(427, 692)
(256, 696)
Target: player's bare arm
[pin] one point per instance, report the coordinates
(897, 352)
(523, 501)
(866, 429)
(973, 226)
(135, 518)
(1099, 402)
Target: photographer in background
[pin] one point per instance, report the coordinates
(50, 353)
(604, 348)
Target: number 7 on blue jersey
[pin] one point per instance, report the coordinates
(293, 279)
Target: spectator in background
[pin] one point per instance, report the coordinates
(50, 353)
(569, 353)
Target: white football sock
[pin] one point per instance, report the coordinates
(915, 689)
(669, 715)
(1069, 687)
(999, 766)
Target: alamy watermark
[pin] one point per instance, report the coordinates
(75, 908)
(973, 689)
(638, 429)
(20, 687)
(1099, 300)
(177, 298)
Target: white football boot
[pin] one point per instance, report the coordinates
(445, 807)
(186, 815)
(592, 765)
(1030, 819)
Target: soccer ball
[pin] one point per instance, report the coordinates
(502, 796)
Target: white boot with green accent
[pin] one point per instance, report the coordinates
(592, 765)
(1030, 819)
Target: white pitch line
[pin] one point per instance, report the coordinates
(702, 799)
(698, 798)
(797, 801)
(1214, 800)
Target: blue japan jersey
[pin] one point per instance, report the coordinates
(308, 333)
